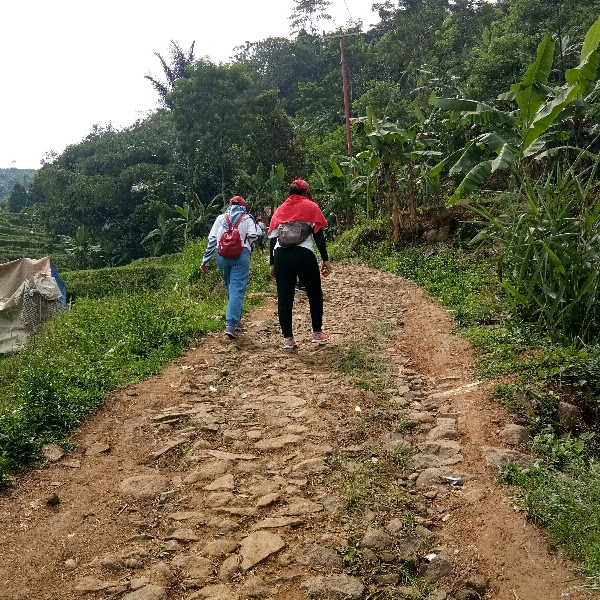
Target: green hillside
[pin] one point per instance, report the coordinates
(21, 237)
(8, 178)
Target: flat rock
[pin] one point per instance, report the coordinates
(278, 442)
(185, 515)
(311, 466)
(88, 585)
(183, 535)
(226, 482)
(148, 592)
(440, 476)
(267, 500)
(515, 434)
(230, 568)
(220, 547)
(239, 511)
(438, 567)
(276, 522)
(377, 539)
(208, 470)
(258, 546)
(214, 592)
(230, 455)
(443, 432)
(336, 587)
(194, 567)
(300, 507)
(318, 557)
(144, 487)
(441, 448)
(98, 448)
(494, 457)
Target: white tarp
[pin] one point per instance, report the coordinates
(29, 296)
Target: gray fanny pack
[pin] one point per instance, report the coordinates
(293, 233)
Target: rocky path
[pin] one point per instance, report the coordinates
(360, 469)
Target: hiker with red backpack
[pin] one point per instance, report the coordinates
(231, 237)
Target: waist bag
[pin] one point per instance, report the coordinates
(230, 244)
(293, 233)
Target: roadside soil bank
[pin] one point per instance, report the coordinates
(247, 471)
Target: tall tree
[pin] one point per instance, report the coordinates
(307, 14)
(177, 68)
(210, 112)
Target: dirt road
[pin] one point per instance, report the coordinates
(247, 471)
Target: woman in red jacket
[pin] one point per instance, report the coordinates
(293, 227)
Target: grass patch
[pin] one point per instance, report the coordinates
(100, 345)
(568, 505)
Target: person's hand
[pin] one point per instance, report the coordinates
(326, 268)
(272, 271)
(204, 268)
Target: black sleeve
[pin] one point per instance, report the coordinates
(272, 243)
(319, 238)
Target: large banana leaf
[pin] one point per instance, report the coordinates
(472, 180)
(528, 93)
(472, 108)
(505, 159)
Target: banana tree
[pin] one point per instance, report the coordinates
(265, 190)
(396, 148)
(336, 186)
(519, 134)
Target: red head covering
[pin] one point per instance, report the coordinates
(299, 208)
(302, 185)
(237, 200)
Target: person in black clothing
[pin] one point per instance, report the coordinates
(292, 258)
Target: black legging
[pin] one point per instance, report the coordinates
(291, 263)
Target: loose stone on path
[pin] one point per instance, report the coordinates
(258, 546)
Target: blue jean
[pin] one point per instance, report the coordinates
(235, 272)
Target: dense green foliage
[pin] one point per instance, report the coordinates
(280, 102)
(135, 319)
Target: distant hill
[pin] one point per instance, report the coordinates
(21, 237)
(8, 178)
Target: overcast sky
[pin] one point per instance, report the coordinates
(69, 64)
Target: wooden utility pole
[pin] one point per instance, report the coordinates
(341, 37)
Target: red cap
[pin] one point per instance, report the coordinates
(237, 200)
(302, 185)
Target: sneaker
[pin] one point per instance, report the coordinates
(300, 288)
(320, 337)
(289, 344)
(239, 326)
(231, 331)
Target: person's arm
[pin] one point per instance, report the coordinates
(211, 247)
(272, 243)
(319, 238)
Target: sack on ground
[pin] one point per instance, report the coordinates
(293, 233)
(230, 244)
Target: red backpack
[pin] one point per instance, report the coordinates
(230, 244)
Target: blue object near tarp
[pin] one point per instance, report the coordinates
(61, 286)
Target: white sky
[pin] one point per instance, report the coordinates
(66, 65)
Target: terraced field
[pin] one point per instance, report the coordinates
(21, 236)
